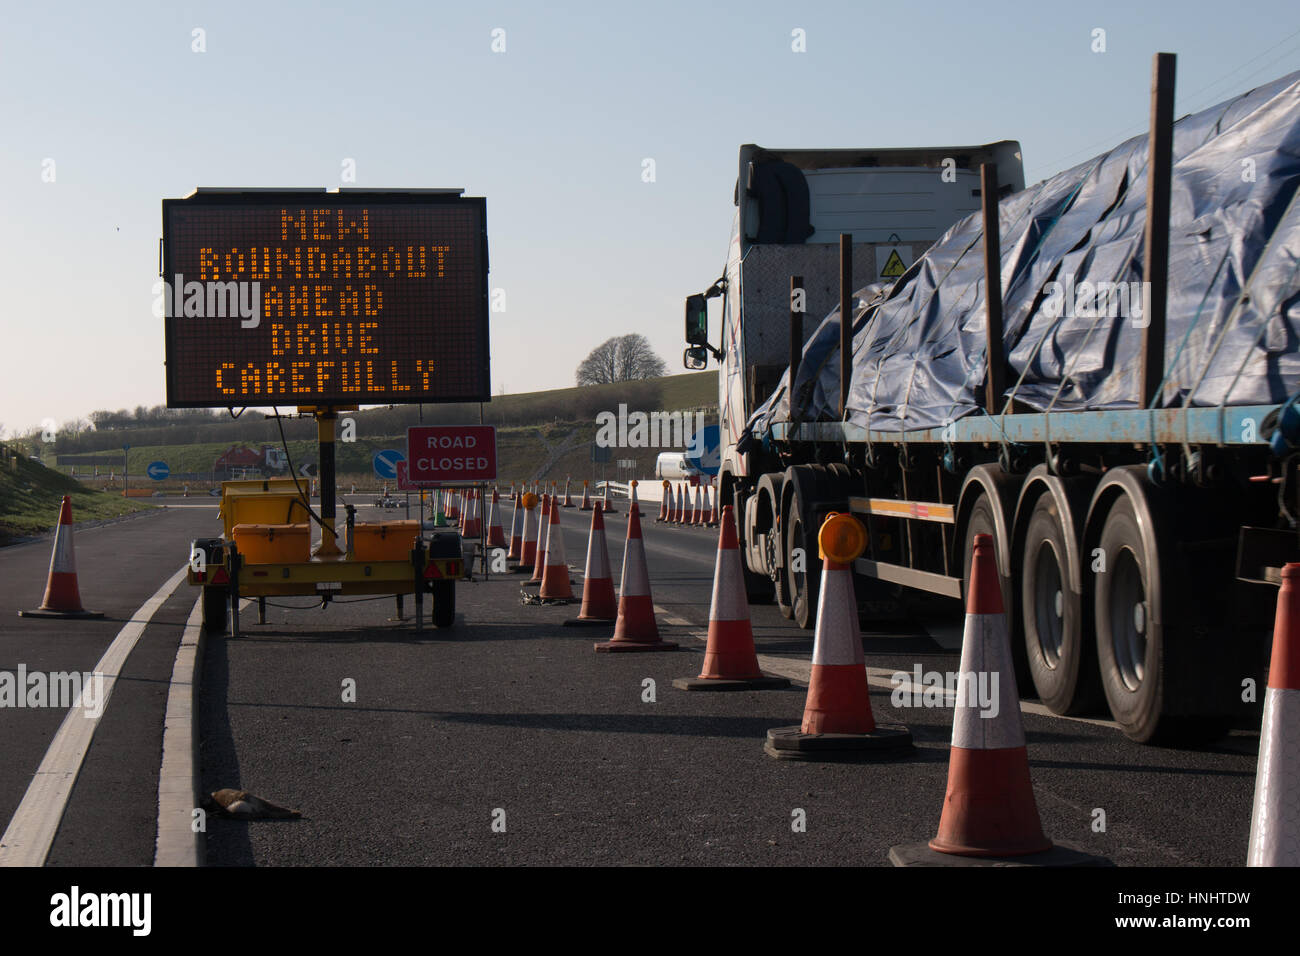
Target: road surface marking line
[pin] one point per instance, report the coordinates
(31, 832)
(882, 677)
(178, 779)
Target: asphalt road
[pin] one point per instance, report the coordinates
(510, 716)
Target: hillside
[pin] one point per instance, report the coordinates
(533, 429)
(30, 494)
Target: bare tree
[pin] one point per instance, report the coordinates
(624, 358)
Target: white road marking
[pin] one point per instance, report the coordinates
(800, 671)
(178, 778)
(31, 832)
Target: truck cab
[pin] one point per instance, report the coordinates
(791, 207)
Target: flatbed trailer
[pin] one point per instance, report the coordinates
(1139, 548)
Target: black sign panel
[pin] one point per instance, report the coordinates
(315, 298)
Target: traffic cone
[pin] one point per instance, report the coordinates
(62, 596)
(671, 497)
(1275, 822)
(730, 661)
(516, 532)
(496, 533)
(610, 509)
(568, 502)
(663, 504)
(681, 504)
(586, 498)
(634, 504)
(544, 525)
(514, 495)
(473, 523)
(599, 605)
(635, 629)
(697, 518)
(713, 513)
(528, 553)
(989, 815)
(555, 578)
(837, 718)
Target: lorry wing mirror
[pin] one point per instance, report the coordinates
(696, 358)
(697, 320)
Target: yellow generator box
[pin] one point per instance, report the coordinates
(273, 543)
(384, 540)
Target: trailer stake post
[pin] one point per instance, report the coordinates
(995, 379)
(1155, 264)
(797, 307)
(846, 320)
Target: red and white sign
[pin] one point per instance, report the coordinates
(450, 454)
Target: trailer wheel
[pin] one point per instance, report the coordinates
(805, 584)
(1062, 669)
(444, 603)
(758, 587)
(216, 601)
(1129, 635)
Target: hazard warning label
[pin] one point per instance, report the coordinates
(896, 261)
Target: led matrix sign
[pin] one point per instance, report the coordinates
(314, 298)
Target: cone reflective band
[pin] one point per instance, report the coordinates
(730, 661)
(989, 808)
(1275, 818)
(837, 718)
(555, 577)
(62, 596)
(635, 629)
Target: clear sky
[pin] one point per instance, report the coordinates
(553, 131)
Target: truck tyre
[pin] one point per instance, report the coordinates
(1062, 663)
(806, 584)
(1129, 634)
(216, 601)
(444, 603)
(758, 587)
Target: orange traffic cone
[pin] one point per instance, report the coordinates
(62, 596)
(610, 509)
(568, 501)
(1275, 821)
(473, 521)
(663, 504)
(599, 605)
(544, 524)
(516, 533)
(528, 553)
(682, 506)
(635, 629)
(586, 497)
(713, 510)
(730, 661)
(453, 507)
(496, 533)
(697, 517)
(989, 814)
(555, 577)
(671, 496)
(837, 718)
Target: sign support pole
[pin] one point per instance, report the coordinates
(325, 418)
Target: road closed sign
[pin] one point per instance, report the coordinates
(451, 454)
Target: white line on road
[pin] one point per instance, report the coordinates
(178, 844)
(31, 832)
(801, 672)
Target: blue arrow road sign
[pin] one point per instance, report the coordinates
(158, 470)
(704, 450)
(386, 463)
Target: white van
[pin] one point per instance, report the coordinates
(674, 464)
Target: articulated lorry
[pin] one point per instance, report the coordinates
(1115, 403)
